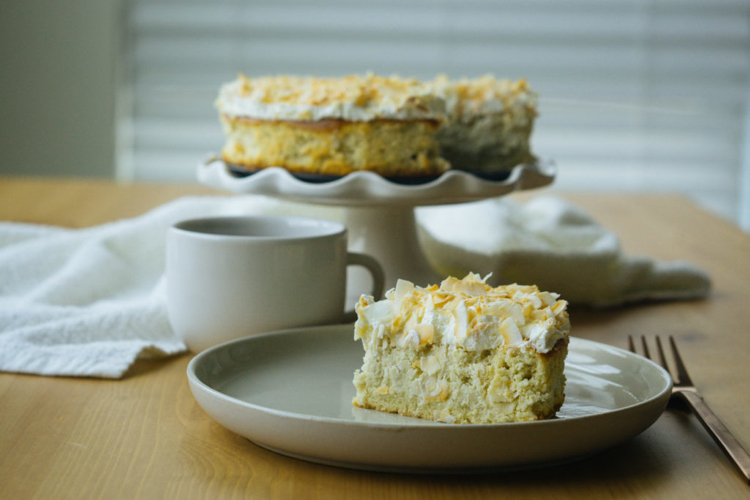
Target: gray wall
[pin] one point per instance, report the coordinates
(57, 87)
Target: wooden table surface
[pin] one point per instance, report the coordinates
(144, 436)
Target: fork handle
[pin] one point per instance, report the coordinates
(718, 431)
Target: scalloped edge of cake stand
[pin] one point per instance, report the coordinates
(360, 189)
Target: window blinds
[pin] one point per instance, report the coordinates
(634, 94)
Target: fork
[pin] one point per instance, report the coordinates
(684, 389)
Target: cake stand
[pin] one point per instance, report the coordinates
(379, 213)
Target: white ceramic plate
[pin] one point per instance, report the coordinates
(370, 189)
(292, 391)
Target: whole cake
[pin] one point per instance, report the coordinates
(488, 123)
(463, 352)
(394, 126)
(332, 126)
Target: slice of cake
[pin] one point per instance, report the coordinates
(464, 352)
(332, 126)
(489, 123)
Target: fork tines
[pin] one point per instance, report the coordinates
(681, 376)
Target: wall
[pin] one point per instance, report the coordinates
(57, 87)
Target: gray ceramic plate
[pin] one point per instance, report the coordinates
(291, 392)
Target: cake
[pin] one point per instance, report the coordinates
(332, 126)
(488, 123)
(463, 352)
(390, 125)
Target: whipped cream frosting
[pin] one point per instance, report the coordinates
(467, 313)
(352, 98)
(485, 95)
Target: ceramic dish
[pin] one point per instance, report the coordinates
(291, 392)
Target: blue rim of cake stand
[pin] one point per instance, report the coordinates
(242, 172)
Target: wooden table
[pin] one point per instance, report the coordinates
(145, 437)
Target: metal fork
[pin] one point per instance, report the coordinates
(684, 389)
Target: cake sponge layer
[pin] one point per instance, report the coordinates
(335, 147)
(453, 385)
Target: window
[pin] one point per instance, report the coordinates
(634, 95)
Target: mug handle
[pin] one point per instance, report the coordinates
(378, 277)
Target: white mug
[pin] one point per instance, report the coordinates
(229, 277)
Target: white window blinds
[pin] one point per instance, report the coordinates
(634, 95)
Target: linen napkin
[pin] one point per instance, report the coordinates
(553, 244)
(89, 302)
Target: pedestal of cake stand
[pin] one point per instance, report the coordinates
(390, 235)
(379, 213)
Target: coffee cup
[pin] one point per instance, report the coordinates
(230, 277)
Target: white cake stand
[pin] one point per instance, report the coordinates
(379, 213)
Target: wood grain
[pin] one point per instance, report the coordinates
(145, 437)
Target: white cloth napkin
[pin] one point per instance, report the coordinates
(553, 244)
(90, 302)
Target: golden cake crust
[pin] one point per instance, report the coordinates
(334, 147)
